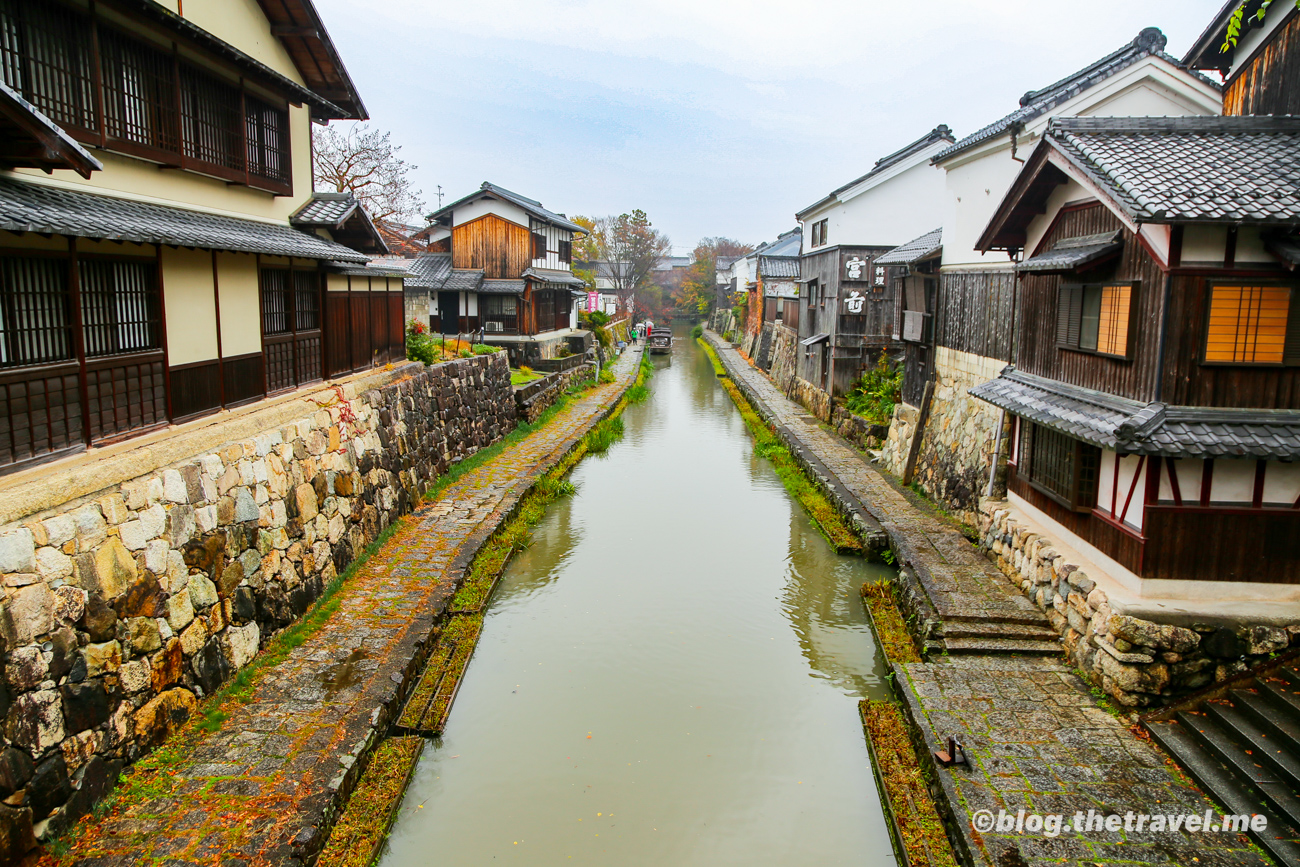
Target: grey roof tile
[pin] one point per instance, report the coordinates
(779, 266)
(1069, 254)
(27, 207)
(325, 210)
(502, 287)
(554, 275)
(1190, 169)
(463, 280)
(531, 206)
(54, 146)
(1133, 427)
(914, 250)
(1036, 103)
(429, 271)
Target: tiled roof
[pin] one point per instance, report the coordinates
(1286, 246)
(938, 134)
(376, 268)
(1069, 254)
(429, 271)
(35, 141)
(463, 280)
(531, 206)
(1133, 427)
(325, 210)
(554, 275)
(778, 266)
(502, 287)
(26, 207)
(1036, 103)
(1188, 169)
(914, 250)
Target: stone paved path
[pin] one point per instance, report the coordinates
(1036, 737)
(259, 790)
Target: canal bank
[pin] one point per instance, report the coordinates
(261, 775)
(669, 674)
(1036, 738)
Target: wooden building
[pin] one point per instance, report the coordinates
(506, 276)
(161, 252)
(912, 274)
(1156, 385)
(1261, 70)
(767, 280)
(847, 304)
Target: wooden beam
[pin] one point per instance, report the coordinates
(304, 30)
(914, 448)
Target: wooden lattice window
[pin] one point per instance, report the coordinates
(1060, 466)
(139, 92)
(45, 55)
(275, 301)
(501, 310)
(35, 312)
(1095, 318)
(120, 312)
(1251, 325)
(210, 121)
(539, 245)
(268, 140)
(306, 300)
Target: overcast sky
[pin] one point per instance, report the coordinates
(716, 117)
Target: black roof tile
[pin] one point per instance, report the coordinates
(914, 250)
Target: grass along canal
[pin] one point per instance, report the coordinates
(669, 674)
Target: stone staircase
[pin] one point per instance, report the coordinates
(961, 634)
(1243, 748)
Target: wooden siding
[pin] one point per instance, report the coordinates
(1267, 84)
(1200, 544)
(1134, 377)
(501, 248)
(1188, 382)
(976, 313)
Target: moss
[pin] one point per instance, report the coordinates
(890, 627)
(359, 832)
(919, 826)
(768, 445)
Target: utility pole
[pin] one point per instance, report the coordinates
(439, 196)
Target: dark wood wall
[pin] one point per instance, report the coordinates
(1268, 84)
(1134, 377)
(501, 248)
(976, 312)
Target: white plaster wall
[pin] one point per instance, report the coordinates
(506, 211)
(241, 315)
(242, 24)
(191, 307)
(1234, 482)
(901, 205)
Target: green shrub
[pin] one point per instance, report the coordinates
(606, 376)
(877, 391)
(605, 434)
(697, 331)
(484, 349)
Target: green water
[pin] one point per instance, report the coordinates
(668, 676)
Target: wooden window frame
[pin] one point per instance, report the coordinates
(1291, 341)
(1134, 287)
(1084, 464)
(566, 252)
(820, 232)
(539, 245)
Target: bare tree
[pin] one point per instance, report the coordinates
(364, 162)
(631, 249)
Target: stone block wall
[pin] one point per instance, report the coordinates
(785, 356)
(121, 609)
(1138, 662)
(959, 438)
(536, 397)
(862, 432)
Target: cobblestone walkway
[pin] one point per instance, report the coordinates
(260, 789)
(1035, 736)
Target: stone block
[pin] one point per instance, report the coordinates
(18, 551)
(69, 604)
(1266, 639)
(168, 665)
(181, 526)
(245, 505)
(241, 643)
(26, 667)
(193, 637)
(35, 721)
(112, 570)
(180, 610)
(174, 488)
(91, 527)
(103, 658)
(203, 593)
(85, 705)
(28, 614)
(80, 748)
(50, 786)
(158, 718)
(135, 676)
(59, 530)
(144, 598)
(1144, 632)
(133, 535)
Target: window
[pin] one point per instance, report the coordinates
(1064, 468)
(819, 232)
(36, 313)
(501, 310)
(1249, 325)
(813, 288)
(566, 252)
(93, 80)
(539, 245)
(119, 307)
(1094, 318)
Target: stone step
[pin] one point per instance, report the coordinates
(1003, 645)
(1028, 616)
(1232, 793)
(999, 629)
(1280, 724)
(1241, 759)
(1286, 765)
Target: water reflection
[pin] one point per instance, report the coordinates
(667, 676)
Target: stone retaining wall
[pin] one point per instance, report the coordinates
(960, 435)
(123, 608)
(1138, 662)
(536, 397)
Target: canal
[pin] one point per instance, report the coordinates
(668, 675)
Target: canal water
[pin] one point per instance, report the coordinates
(668, 675)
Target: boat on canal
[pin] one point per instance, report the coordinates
(661, 341)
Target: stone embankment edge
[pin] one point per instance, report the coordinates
(420, 639)
(865, 522)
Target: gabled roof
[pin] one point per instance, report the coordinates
(915, 250)
(1036, 103)
(344, 217)
(29, 139)
(938, 134)
(323, 108)
(428, 271)
(779, 266)
(1071, 254)
(1133, 427)
(786, 244)
(299, 27)
(1205, 53)
(530, 206)
(30, 207)
(1163, 170)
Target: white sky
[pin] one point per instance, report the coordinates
(715, 117)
